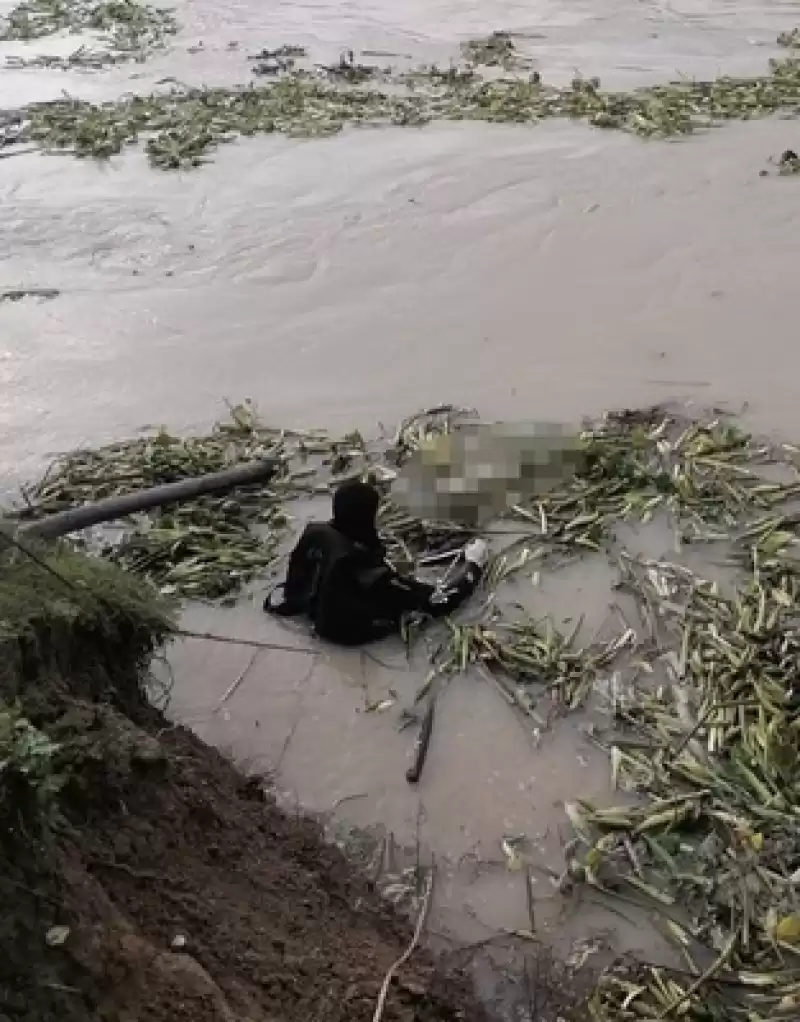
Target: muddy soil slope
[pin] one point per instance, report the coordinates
(167, 885)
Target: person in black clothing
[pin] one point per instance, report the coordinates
(339, 578)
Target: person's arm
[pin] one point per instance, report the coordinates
(410, 594)
(392, 594)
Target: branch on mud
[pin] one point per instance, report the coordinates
(423, 914)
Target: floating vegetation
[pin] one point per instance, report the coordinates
(705, 708)
(181, 127)
(703, 690)
(348, 70)
(703, 474)
(495, 50)
(278, 61)
(527, 658)
(701, 677)
(207, 547)
(789, 163)
(713, 848)
(127, 26)
(83, 59)
(203, 548)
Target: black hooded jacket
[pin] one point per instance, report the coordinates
(338, 575)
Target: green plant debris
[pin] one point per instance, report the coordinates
(705, 701)
(29, 776)
(203, 548)
(535, 654)
(702, 681)
(348, 70)
(182, 127)
(708, 478)
(714, 845)
(125, 25)
(705, 730)
(208, 547)
(84, 58)
(277, 61)
(789, 162)
(495, 50)
(703, 474)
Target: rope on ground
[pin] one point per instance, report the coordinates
(256, 643)
(423, 915)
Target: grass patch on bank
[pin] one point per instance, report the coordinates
(63, 587)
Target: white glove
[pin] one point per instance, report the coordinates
(476, 552)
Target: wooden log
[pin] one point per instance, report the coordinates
(108, 510)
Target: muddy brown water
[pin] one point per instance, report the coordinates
(550, 272)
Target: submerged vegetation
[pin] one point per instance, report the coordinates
(180, 128)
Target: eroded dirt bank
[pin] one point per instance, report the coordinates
(143, 878)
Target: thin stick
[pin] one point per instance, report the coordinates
(529, 899)
(715, 966)
(698, 724)
(387, 979)
(237, 681)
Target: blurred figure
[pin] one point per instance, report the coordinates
(338, 576)
(477, 471)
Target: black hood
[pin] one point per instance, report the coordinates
(355, 507)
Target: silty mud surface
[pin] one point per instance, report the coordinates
(549, 272)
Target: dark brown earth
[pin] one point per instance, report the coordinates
(143, 878)
(160, 837)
